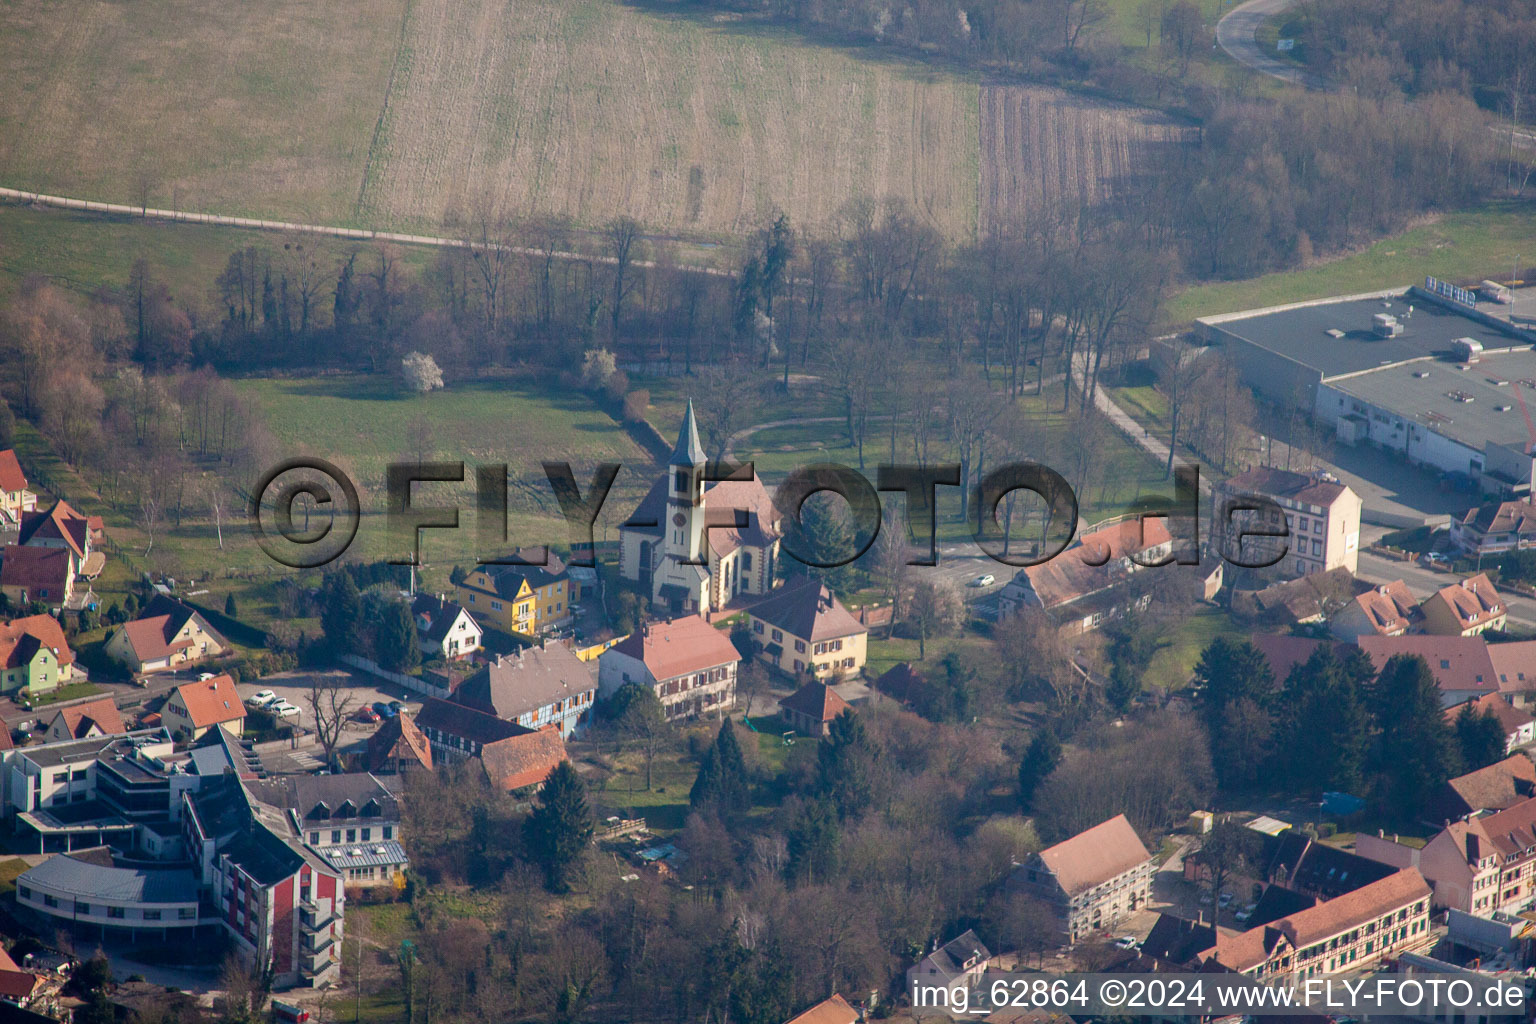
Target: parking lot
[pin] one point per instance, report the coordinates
(360, 689)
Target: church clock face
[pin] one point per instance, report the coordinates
(678, 519)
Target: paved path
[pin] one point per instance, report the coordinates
(1235, 33)
(289, 227)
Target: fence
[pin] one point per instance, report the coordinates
(415, 684)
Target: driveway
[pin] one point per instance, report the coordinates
(1235, 34)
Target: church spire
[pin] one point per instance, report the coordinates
(689, 452)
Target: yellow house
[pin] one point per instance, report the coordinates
(524, 599)
(804, 631)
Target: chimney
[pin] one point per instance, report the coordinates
(1474, 851)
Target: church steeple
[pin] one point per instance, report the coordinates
(685, 494)
(689, 452)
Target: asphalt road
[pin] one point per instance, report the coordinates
(1235, 34)
(1424, 581)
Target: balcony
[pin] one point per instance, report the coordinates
(312, 943)
(314, 916)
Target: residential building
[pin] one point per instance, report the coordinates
(351, 821)
(1091, 880)
(1463, 666)
(1389, 609)
(1479, 864)
(1465, 608)
(537, 687)
(30, 574)
(1096, 579)
(444, 629)
(833, 1010)
(1300, 601)
(689, 664)
(282, 904)
(805, 631)
(63, 528)
(1519, 728)
(1495, 528)
(1175, 942)
(512, 756)
(1514, 666)
(15, 498)
(397, 747)
(98, 717)
(694, 545)
(1349, 932)
(959, 962)
(811, 709)
(34, 656)
(194, 708)
(1321, 515)
(1495, 788)
(168, 634)
(1291, 869)
(17, 986)
(526, 599)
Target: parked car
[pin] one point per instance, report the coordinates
(282, 709)
(383, 710)
(398, 705)
(986, 579)
(367, 715)
(1225, 900)
(1126, 942)
(261, 699)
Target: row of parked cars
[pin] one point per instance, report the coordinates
(378, 711)
(272, 704)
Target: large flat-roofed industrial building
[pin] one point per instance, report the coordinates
(1445, 384)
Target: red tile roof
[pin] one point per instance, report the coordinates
(398, 739)
(102, 713)
(1246, 950)
(1458, 662)
(1094, 563)
(1390, 608)
(816, 701)
(11, 476)
(35, 569)
(1092, 857)
(829, 1011)
(15, 983)
(45, 629)
(212, 701)
(1281, 483)
(1497, 787)
(525, 760)
(679, 647)
(1472, 601)
(1511, 719)
(60, 522)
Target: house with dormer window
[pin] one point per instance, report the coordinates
(351, 821)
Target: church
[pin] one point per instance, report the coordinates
(666, 549)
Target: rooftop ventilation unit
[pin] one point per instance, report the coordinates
(1421, 374)
(1334, 332)
(1468, 350)
(1385, 325)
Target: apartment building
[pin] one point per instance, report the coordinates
(1091, 880)
(1321, 516)
(544, 687)
(689, 665)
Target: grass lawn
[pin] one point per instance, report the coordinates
(1145, 404)
(10, 869)
(1174, 662)
(1126, 474)
(1463, 246)
(70, 691)
(885, 654)
(664, 806)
